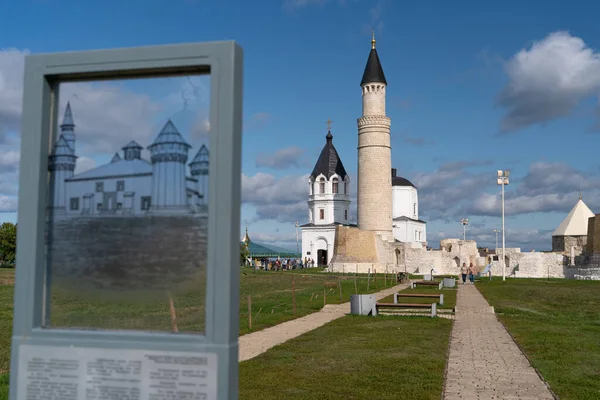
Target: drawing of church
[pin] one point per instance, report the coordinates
(128, 185)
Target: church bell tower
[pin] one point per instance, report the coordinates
(374, 200)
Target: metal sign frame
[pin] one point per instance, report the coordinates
(43, 73)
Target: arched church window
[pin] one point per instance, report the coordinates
(322, 185)
(345, 187)
(335, 185)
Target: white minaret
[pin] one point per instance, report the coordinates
(67, 128)
(61, 164)
(374, 152)
(199, 170)
(329, 185)
(169, 153)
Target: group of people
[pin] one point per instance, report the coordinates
(468, 271)
(270, 264)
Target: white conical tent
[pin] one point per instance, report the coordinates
(576, 223)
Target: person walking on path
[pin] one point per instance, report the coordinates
(464, 270)
(471, 274)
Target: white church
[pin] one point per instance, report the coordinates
(329, 185)
(128, 185)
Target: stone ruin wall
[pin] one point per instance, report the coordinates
(416, 259)
(392, 257)
(564, 244)
(129, 252)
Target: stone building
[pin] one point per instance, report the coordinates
(571, 234)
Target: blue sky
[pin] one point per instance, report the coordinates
(463, 103)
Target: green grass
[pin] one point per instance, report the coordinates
(75, 305)
(354, 358)
(6, 313)
(557, 324)
(271, 294)
(350, 358)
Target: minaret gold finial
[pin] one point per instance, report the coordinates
(329, 122)
(579, 194)
(246, 238)
(373, 39)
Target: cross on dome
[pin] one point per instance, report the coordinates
(329, 122)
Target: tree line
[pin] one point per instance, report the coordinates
(8, 244)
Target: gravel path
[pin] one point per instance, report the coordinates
(484, 361)
(253, 344)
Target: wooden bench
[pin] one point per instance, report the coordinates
(414, 284)
(428, 296)
(377, 306)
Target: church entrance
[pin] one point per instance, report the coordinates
(109, 202)
(322, 258)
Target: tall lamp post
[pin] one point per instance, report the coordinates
(464, 222)
(502, 181)
(297, 246)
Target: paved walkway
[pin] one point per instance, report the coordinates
(484, 361)
(253, 344)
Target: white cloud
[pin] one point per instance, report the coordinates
(257, 121)
(9, 159)
(547, 187)
(273, 237)
(9, 183)
(548, 81)
(282, 159)
(526, 239)
(282, 199)
(84, 164)
(8, 203)
(491, 204)
(11, 90)
(107, 116)
(455, 190)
